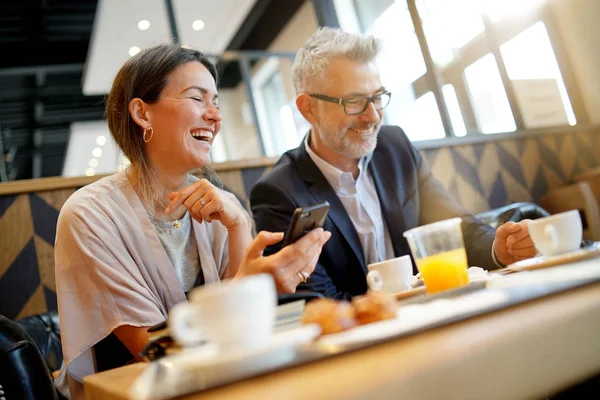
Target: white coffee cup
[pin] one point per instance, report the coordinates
(390, 276)
(230, 314)
(558, 233)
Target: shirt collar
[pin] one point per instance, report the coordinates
(339, 180)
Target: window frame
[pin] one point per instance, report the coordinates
(490, 41)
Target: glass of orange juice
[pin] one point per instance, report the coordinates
(439, 252)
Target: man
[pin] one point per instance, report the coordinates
(374, 179)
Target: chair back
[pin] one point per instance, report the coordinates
(44, 330)
(514, 212)
(23, 371)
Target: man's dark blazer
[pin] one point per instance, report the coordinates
(409, 195)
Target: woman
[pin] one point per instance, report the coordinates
(131, 245)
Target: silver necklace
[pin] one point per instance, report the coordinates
(177, 222)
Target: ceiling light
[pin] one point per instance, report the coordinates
(90, 172)
(101, 140)
(143, 25)
(134, 50)
(198, 25)
(93, 162)
(97, 152)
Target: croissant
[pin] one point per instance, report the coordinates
(374, 307)
(331, 315)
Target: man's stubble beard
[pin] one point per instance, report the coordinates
(341, 143)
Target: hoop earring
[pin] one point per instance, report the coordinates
(151, 134)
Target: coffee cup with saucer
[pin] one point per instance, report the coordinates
(230, 314)
(557, 234)
(390, 276)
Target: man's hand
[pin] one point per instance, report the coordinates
(513, 242)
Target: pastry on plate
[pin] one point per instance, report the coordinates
(373, 307)
(331, 315)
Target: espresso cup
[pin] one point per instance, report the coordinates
(238, 313)
(557, 234)
(390, 276)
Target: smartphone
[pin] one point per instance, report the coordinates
(304, 220)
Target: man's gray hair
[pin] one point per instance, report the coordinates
(313, 57)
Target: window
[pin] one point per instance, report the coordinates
(218, 150)
(499, 10)
(532, 68)
(281, 125)
(458, 124)
(449, 26)
(490, 103)
(400, 64)
(465, 67)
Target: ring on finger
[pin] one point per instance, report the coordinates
(303, 275)
(202, 202)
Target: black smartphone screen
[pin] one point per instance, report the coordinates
(304, 220)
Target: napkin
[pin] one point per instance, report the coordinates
(477, 274)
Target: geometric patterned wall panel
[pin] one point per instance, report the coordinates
(480, 176)
(488, 175)
(27, 232)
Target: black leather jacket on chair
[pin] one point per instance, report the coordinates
(514, 212)
(44, 330)
(23, 372)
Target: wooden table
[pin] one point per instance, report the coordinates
(526, 351)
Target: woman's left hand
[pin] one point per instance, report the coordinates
(206, 202)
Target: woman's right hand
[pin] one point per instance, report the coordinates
(286, 266)
(206, 202)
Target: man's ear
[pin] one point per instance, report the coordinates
(307, 108)
(140, 113)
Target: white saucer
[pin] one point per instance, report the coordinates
(203, 367)
(551, 261)
(411, 318)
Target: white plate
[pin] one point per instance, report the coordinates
(204, 367)
(411, 318)
(551, 261)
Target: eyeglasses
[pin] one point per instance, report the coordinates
(358, 105)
